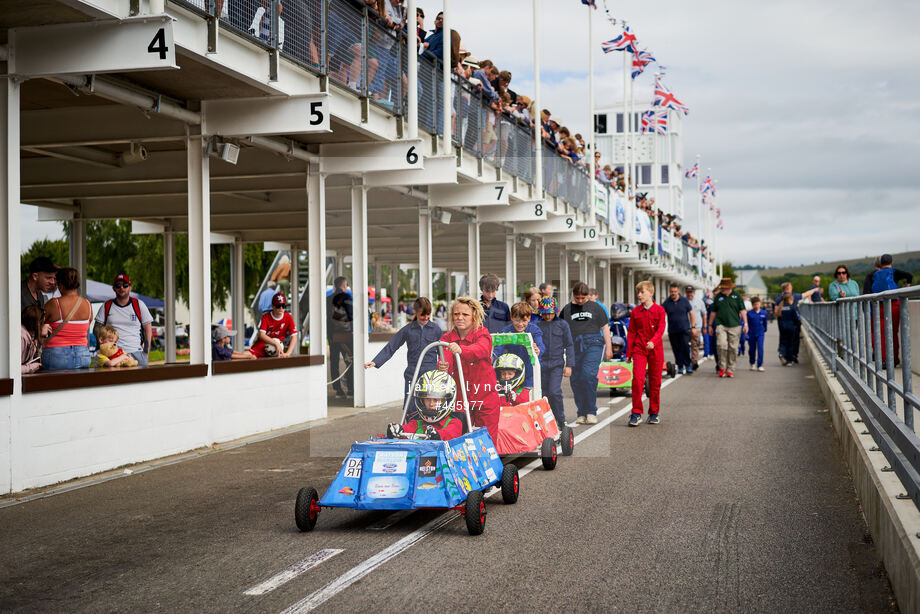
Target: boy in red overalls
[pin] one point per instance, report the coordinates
(646, 328)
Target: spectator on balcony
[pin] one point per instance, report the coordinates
(41, 281)
(898, 276)
(32, 330)
(345, 49)
(497, 314)
(70, 316)
(420, 26)
(434, 44)
(130, 317)
(265, 299)
(261, 26)
(282, 275)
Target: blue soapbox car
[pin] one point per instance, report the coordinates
(403, 474)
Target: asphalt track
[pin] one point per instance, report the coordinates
(738, 501)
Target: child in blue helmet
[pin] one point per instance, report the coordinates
(556, 361)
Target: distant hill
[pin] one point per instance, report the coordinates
(908, 261)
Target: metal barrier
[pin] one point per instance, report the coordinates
(858, 337)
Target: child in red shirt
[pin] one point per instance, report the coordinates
(274, 328)
(509, 373)
(646, 328)
(435, 397)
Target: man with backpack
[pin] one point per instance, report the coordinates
(339, 331)
(130, 317)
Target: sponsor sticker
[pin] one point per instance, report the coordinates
(347, 491)
(426, 486)
(493, 454)
(387, 487)
(548, 417)
(389, 461)
(427, 466)
(490, 473)
(353, 467)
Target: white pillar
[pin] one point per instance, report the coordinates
(563, 277)
(539, 264)
(359, 286)
(621, 292)
(510, 283)
(237, 292)
(394, 290)
(411, 72)
(472, 269)
(448, 285)
(169, 293)
(10, 357)
(378, 286)
(295, 296)
(78, 246)
(447, 85)
(199, 248)
(630, 292)
(583, 269)
(316, 250)
(424, 251)
(606, 291)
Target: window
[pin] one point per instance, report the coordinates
(600, 123)
(645, 174)
(636, 122)
(665, 173)
(620, 123)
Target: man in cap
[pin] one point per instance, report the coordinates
(220, 346)
(130, 317)
(729, 317)
(40, 281)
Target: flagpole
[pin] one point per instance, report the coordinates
(632, 135)
(710, 227)
(538, 110)
(592, 169)
(721, 247)
(699, 201)
(656, 175)
(626, 128)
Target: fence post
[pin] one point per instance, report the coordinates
(365, 52)
(889, 332)
(906, 371)
(877, 347)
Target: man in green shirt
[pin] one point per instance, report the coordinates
(729, 317)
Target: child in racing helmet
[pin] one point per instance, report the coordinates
(619, 347)
(509, 374)
(434, 394)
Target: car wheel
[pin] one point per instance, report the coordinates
(475, 513)
(306, 509)
(548, 453)
(511, 483)
(568, 441)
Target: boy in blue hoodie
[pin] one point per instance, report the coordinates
(757, 329)
(788, 321)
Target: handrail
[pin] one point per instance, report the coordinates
(857, 337)
(466, 404)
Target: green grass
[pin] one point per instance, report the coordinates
(160, 356)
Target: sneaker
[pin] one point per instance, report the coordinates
(591, 419)
(680, 370)
(721, 372)
(695, 366)
(581, 420)
(761, 369)
(729, 374)
(753, 368)
(788, 364)
(689, 371)
(339, 394)
(635, 419)
(784, 361)
(653, 419)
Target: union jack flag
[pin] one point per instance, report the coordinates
(664, 98)
(720, 225)
(708, 186)
(589, 3)
(641, 59)
(624, 42)
(693, 172)
(655, 121)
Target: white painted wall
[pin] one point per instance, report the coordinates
(64, 434)
(385, 385)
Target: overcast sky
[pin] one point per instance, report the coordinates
(807, 112)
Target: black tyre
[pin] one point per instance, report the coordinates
(475, 513)
(548, 453)
(672, 370)
(306, 509)
(511, 484)
(568, 441)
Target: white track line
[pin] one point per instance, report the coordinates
(292, 572)
(322, 595)
(317, 598)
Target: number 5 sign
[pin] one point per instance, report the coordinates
(138, 43)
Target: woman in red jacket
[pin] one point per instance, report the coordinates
(472, 341)
(646, 328)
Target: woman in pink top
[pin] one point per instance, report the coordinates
(66, 348)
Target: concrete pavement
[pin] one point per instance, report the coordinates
(738, 501)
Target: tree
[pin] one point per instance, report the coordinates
(56, 249)
(729, 271)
